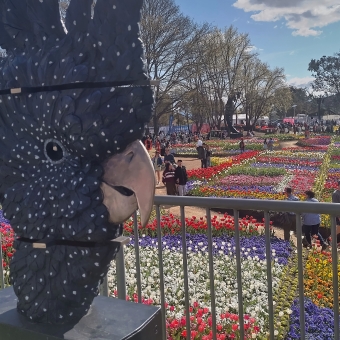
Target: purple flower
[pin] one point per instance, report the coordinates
(253, 247)
(285, 166)
(2, 218)
(319, 322)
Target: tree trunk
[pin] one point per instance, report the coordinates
(155, 124)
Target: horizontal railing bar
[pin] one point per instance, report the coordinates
(248, 204)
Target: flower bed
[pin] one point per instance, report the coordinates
(254, 276)
(318, 322)
(284, 137)
(209, 173)
(302, 180)
(289, 160)
(315, 141)
(265, 176)
(249, 180)
(317, 275)
(7, 239)
(171, 225)
(318, 278)
(220, 148)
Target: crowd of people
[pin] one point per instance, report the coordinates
(314, 126)
(310, 221)
(172, 174)
(162, 141)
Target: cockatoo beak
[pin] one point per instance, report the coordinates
(129, 184)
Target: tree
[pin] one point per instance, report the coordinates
(261, 89)
(301, 98)
(326, 71)
(216, 65)
(168, 38)
(282, 101)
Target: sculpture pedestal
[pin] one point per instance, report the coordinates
(108, 319)
(236, 135)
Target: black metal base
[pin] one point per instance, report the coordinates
(236, 135)
(108, 319)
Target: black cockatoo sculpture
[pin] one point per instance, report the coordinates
(74, 100)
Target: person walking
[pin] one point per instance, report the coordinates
(157, 164)
(336, 199)
(290, 217)
(201, 151)
(270, 144)
(241, 145)
(169, 179)
(311, 222)
(158, 145)
(148, 143)
(181, 177)
(169, 157)
(265, 144)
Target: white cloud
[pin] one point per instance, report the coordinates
(304, 17)
(254, 49)
(300, 82)
(275, 26)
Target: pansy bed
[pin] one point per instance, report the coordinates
(316, 141)
(317, 279)
(7, 239)
(264, 175)
(254, 275)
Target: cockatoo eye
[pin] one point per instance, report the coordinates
(54, 151)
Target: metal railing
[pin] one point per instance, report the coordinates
(2, 277)
(236, 205)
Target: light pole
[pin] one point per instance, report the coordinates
(294, 106)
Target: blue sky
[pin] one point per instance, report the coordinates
(285, 33)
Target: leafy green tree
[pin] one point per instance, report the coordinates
(326, 71)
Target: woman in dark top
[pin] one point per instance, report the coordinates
(241, 144)
(169, 179)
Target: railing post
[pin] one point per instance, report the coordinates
(161, 271)
(120, 267)
(185, 269)
(300, 276)
(335, 262)
(239, 272)
(269, 274)
(137, 254)
(211, 275)
(2, 279)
